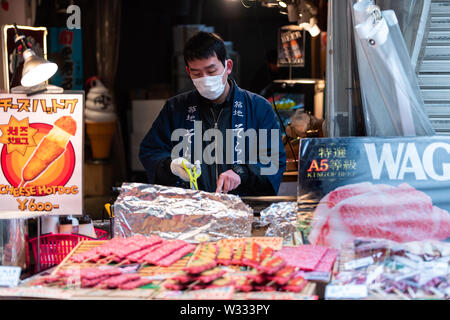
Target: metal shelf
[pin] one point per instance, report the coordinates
(434, 71)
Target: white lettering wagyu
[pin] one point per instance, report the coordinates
(407, 160)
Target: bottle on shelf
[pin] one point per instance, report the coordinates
(86, 227)
(75, 225)
(65, 225)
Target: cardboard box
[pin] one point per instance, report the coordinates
(98, 179)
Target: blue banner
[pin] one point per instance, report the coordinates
(66, 51)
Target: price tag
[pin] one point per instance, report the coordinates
(9, 276)
(317, 276)
(431, 270)
(440, 268)
(372, 276)
(355, 291)
(360, 263)
(436, 268)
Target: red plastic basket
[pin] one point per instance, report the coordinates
(55, 247)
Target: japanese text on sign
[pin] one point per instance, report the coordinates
(9, 276)
(34, 105)
(332, 162)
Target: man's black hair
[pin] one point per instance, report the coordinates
(204, 45)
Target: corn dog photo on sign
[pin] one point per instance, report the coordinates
(41, 146)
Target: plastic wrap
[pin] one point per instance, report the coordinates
(393, 104)
(282, 220)
(13, 242)
(348, 96)
(175, 213)
(387, 269)
(413, 17)
(343, 112)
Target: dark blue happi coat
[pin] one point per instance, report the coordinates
(249, 111)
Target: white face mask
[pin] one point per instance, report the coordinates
(210, 87)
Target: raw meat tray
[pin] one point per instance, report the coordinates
(150, 293)
(145, 271)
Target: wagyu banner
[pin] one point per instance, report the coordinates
(386, 188)
(41, 143)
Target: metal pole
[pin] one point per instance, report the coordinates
(38, 258)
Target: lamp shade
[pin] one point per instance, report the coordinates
(36, 70)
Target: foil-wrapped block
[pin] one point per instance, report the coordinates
(281, 218)
(175, 213)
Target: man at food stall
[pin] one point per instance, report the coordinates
(228, 134)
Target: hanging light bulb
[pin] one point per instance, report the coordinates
(282, 4)
(269, 3)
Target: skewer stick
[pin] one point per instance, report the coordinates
(439, 294)
(55, 284)
(126, 261)
(143, 265)
(192, 285)
(377, 293)
(157, 269)
(88, 291)
(88, 259)
(153, 294)
(108, 259)
(100, 286)
(194, 255)
(401, 294)
(411, 293)
(270, 283)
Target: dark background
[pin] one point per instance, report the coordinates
(253, 32)
(146, 42)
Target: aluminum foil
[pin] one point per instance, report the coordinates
(175, 213)
(281, 218)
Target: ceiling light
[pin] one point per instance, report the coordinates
(282, 4)
(269, 3)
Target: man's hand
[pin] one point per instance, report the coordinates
(176, 166)
(228, 181)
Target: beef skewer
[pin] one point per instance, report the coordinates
(163, 251)
(116, 249)
(136, 257)
(175, 256)
(135, 284)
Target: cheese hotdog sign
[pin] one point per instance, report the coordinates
(41, 152)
